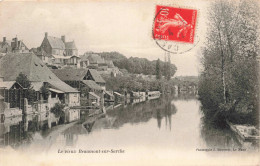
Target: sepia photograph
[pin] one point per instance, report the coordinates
(133, 83)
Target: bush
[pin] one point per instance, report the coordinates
(57, 110)
(45, 91)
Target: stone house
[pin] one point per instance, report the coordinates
(5, 46)
(95, 61)
(15, 46)
(18, 46)
(78, 78)
(40, 53)
(38, 73)
(93, 74)
(59, 48)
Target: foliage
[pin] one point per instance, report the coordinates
(134, 83)
(57, 110)
(228, 85)
(23, 80)
(137, 65)
(84, 91)
(158, 70)
(45, 91)
(29, 92)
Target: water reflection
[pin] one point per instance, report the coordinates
(170, 121)
(143, 112)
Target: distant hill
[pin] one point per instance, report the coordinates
(135, 65)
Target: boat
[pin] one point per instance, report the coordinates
(245, 132)
(153, 95)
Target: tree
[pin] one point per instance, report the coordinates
(158, 70)
(229, 80)
(30, 94)
(57, 109)
(23, 80)
(137, 65)
(45, 91)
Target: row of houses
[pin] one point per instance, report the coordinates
(56, 53)
(66, 86)
(14, 45)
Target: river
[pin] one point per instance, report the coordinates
(168, 123)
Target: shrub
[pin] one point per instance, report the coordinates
(57, 110)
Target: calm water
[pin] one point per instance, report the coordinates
(167, 123)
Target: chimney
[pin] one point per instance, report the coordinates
(4, 39)
(14, 44)
(46, 34)
(63, 38)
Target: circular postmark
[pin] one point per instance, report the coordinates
(174, 29)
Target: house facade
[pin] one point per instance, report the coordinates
(40, 53)
(62, 52)
(18, 46)
(93, 74)
(5, 46)
(15, 46)
(38, 74)
(82, 80)
(95, 61)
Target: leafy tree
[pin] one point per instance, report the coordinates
(45, 91)
(228, 84)
(57, 110)
(23, 80)
(158, 70)
(29, 93)
(137, 65)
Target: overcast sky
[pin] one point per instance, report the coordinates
(125, 27)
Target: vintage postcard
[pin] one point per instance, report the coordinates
(172, 82)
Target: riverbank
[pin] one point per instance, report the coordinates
(152, 128)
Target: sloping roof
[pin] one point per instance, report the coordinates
(96, 76)
(29, 64)
(8, 84)
(39, 52)
(56, 42)
(19, 46)
(110, 63)
(108, 93)
(84, 57)
(70, 45)
(91, 84)
(36, 85)
(70, 74)
(55, 90)
(93, 94)
(116, 93)
(92, 57)
(95, 58)
(61, 57)
(60, 85)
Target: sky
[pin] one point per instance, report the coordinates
(125, 27)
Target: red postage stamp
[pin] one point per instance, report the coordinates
(174, 24)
